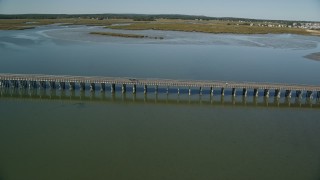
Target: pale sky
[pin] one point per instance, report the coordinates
(257, 9)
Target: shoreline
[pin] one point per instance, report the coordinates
(313, 56)
(213, 27)
(137, 36)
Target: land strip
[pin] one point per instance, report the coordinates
(314, 56)
(208, 26)
(124, 35)
(21, 24)
(214, 27)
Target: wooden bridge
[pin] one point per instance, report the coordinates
(64, 81)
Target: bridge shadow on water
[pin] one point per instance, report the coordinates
(164, 98)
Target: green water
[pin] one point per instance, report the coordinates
(117, 139)
(73, 136)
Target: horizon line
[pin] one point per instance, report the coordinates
(164, 14)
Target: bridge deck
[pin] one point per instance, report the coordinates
(158, 82)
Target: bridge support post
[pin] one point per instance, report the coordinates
(43, 84)
(299, 93)
(14, 84)
(266, 93)
(145, 89)
(244, 92)
(32, 85)
(189, 91)
(3, 83)
(102, 87)
(156, 88)
(124, 88)
(72, 86)
(6, 84)
(255, 92)
(82, 86)
(178, 91)
(20, 84)
(222, 91)
(234, 92)
(134, 89)
(113, 88)
(52, 84)
(167, 89)
(92, 87)
(23, 84)
(200, 91)
(277, 93)
(309, 95)
(288, 93)
(62, 85)
(211, 91)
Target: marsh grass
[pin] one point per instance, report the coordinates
(212, 28)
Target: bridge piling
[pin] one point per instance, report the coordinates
(3, 83)
(52, 84)
(222, 91)
(277, 93)
(20, 84)
(32, 85)
(72, 86)
(113, 88)
(255, 92)
(62, 85)
(14, 84)
(211, 91)
(309, 94)
(7, 84)
(266, 93)
(200, 91)
(234, 92)
(92, 87)
(178, 91)
(82, 86)
(102, 87)
(42, 84)
(23, 84)
(299, 94)
(145, 89)
(288, 93)
(124, 88)
(156, 89)
(189, 91)
(134, 89)
(167, 89)
(245, 92)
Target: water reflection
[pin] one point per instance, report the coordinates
(161, 98)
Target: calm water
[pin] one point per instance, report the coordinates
(65, 135)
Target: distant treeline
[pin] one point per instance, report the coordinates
(139, 17)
